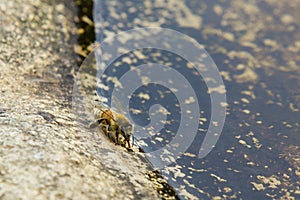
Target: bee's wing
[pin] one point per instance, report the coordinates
(100, 102)
(119, 106)
(102, 99)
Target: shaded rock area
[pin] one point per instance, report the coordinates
(44, 154)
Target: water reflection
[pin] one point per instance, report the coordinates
(256, 47)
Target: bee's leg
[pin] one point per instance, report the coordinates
(101, 120)
(132, 141)
(127, 139)
(93, 124)
(117, 136)
(96, 123)
(112, 133)
(128, 142)
(108, 131)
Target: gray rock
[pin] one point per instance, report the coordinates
(44, 154)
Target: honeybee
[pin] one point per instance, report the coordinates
(115, 125)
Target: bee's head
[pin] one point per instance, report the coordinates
(127, 130)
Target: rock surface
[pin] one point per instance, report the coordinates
(44, 154)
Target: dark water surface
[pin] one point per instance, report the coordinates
(256, 46)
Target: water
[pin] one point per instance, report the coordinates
(256, 47)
